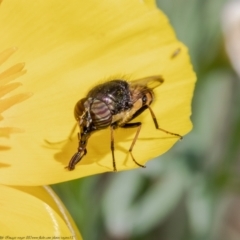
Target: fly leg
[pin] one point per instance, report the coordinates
(157, 126)
(112, 149)
(137, 125)
(70, 137)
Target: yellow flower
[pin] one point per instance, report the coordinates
(69, 47)
(28, 211)
(34, 212)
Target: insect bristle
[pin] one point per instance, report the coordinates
(125, 77)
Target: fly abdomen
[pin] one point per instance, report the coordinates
(101, 114)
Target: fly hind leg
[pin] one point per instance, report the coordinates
(158, 128)
(137, 125)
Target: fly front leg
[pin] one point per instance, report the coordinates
(70, 137)
(137, 125)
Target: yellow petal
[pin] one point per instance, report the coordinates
(34, 211)
(69, 47)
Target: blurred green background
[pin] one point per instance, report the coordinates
(191, 192)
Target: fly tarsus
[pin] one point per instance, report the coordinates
(137, 125)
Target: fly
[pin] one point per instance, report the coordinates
(114, 104)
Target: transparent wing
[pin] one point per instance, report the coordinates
(149, 82)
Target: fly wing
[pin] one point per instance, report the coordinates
(149, 82)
